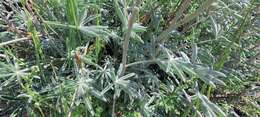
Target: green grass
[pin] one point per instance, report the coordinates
(40, 57)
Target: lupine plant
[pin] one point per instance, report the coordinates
(130, 58)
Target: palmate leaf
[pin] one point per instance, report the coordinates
(127, 86)
(171, 68)
(122, 83)
(210, 76)
(12, 72)
(84, 86)
(180, 65)
(8, 70)
(170, 65)
(137, 28)
(84, 90)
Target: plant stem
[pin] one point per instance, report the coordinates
(128, 35)
(141, 62)
(164, 35)
(71, 13)
(72, 102)
(41, 111)
(209, 91)
(14, 41)
(184, 4)
(196, 13)
(98, 41)
(114, 106)
(40, 58)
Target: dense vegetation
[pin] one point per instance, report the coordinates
(130, 58)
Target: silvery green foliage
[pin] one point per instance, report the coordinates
(209, 47)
